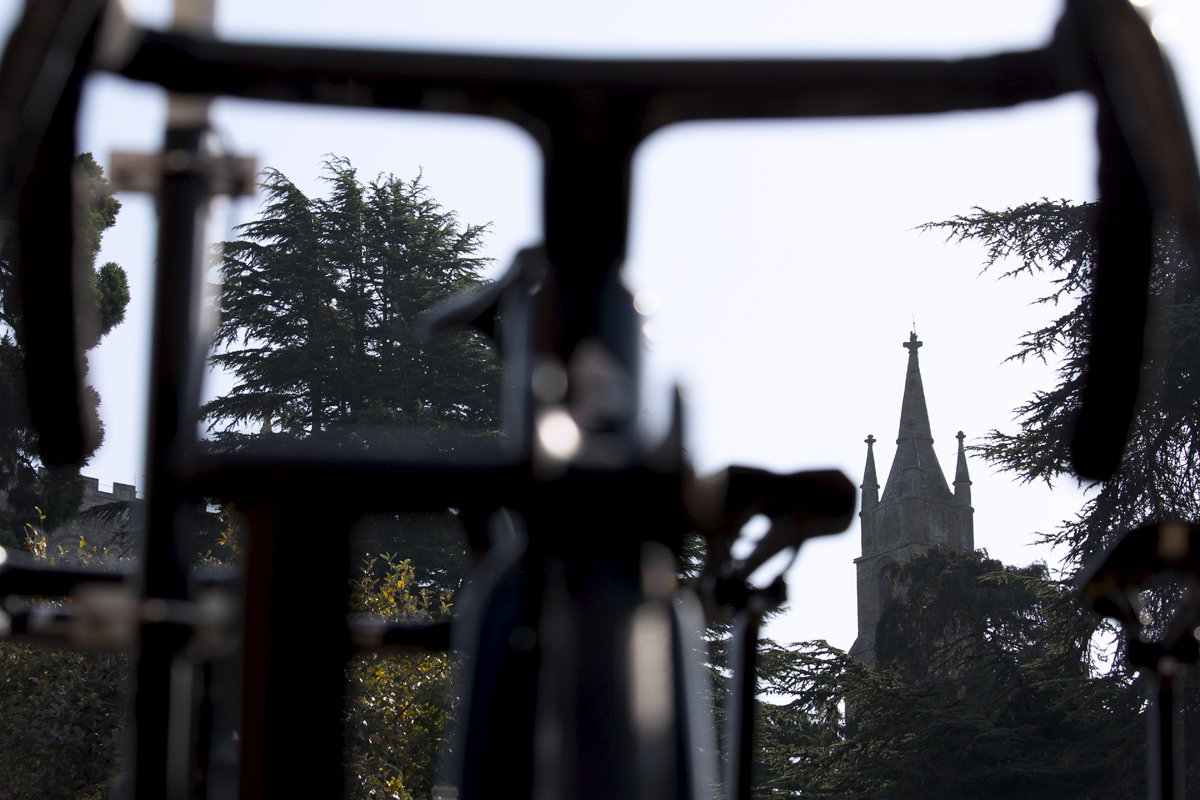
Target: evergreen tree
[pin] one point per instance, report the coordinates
(56, 491)
(320, 303)
(319, 307)
(1159, 476)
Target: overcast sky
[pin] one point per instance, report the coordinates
(785, 255)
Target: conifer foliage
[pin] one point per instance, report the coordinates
(1159, 476)
(319, 309)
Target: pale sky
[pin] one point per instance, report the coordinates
(784, 254)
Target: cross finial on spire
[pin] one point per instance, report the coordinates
(960, 436)
(870, 440)
(912, 344)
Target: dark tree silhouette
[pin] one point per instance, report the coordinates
(986, 690)
(1159, 476)
(319, 307)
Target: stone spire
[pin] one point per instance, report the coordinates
(914, 443)
(870, 496)
(962, 479)
(870, 484)
(962, 496)
(912, 408)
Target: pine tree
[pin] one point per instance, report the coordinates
(319, 309)
(320, 304)
(278, 307)
(1159, 476)
(30, 485)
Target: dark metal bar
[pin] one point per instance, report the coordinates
(376, 484)
(1119, 301)
(174, 394)
(740, 708)
(40, 63)
(1134, 76)
(40, 625)
(496, 741)
(689, 88)
(1147, 164)
(604, 597)
(50, 581)
(295, 651)
(381, 483)
(1165, 731)
(384, 636)
(586, 211)
(45, 251)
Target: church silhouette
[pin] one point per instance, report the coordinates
(917, 508)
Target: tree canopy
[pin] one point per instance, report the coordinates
(57, 491)
(319, 304)
(1159, 476)
(987, 689)
(320, 300)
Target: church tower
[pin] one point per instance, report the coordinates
(917, 508)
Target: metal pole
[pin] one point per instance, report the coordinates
(174, 392)
(1166, 742)
(295, 650)
(739, 717)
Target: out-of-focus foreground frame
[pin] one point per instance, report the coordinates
(567, 543)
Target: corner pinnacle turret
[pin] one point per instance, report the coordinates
(962, 496)
(870, 481)
(870, 493)
(961, 476)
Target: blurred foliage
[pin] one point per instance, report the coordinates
(60, 715)
(61, 711)
(433, 543)
(398, 707)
